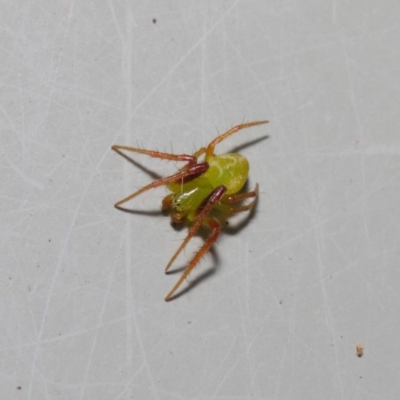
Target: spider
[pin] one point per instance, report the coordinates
(197, 189)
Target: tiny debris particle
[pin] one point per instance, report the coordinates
(19, 387)
(359, 350)
(154, 20)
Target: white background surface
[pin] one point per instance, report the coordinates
(313, 273)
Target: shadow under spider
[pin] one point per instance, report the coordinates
(204, 233)
(240, 147)
(146, 170)
(192, 283)
(142, 212)
(237, 227)
(214, 256)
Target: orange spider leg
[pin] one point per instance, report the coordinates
(157, 154)
(237, 209)
(202, 218)
(189, 171)
(211, 146)
(213, 199)
(226, 205)
(199, 152)
(215, 229)
(195, 155)
(241, 196)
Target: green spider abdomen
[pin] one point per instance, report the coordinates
(230, 170)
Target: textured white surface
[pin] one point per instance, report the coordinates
(313, 273)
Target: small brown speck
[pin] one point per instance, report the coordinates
(19, 387)
(154, 20)
(359, 350)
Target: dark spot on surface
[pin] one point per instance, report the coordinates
(359, 350)
(154, 20)
(19, 387)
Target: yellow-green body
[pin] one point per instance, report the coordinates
(199, 188)
(229, 170)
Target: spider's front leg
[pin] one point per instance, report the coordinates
(190, 159)
(202, 219)
(191, 170)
